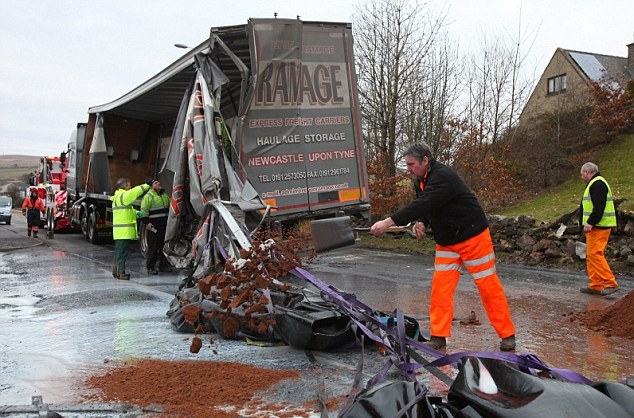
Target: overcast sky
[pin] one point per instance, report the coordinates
(60, 57)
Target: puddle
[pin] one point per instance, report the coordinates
(18, 306)
(18, 300)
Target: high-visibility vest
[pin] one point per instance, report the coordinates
(123, 213)
(29, 204)
(609, 213)
(156, 207)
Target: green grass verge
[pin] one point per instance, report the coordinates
(615, 164)
(13, 174)
(398, 242)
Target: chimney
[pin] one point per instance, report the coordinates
(630, 56)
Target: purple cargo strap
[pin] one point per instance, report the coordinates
(526, 362)
(220, 248)
(345, 301)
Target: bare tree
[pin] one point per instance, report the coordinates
(497, 86)
(394, 40)
(434, 100)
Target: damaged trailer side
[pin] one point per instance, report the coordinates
(288, 121)
(204, 180)
(291, 108)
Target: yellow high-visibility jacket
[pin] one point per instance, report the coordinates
(155, 208)
(609, 213)
(123, 213)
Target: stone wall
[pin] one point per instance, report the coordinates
(521, 240)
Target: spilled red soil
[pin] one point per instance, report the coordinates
(615, 320)
(206, 389)
(193, 389)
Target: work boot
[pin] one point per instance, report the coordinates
(28, 233)
(437, 342)
(591, 291)
(609, 290)
(123, 276)
(508, 343)
(152, 271)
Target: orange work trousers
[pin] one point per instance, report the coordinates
(476, 254)
(598, 269)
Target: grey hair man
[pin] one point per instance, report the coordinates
(597, 217)
(461, 231)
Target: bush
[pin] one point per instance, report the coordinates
(387, 193)
(554, 145)
(612, 106)
(495, 183)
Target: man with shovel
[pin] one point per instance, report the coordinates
(597, 216)
(461, 231)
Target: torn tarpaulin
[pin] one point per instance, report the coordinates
(204, 179)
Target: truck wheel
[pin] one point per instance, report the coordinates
(93, 234)
(83, 223)
(50, 223)
(143, 240)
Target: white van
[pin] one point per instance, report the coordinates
(6, 203)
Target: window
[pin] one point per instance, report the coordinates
(557, 84)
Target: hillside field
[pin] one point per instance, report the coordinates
(615, 164)
(14, 167)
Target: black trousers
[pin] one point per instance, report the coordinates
(155, 242)
(33, 219)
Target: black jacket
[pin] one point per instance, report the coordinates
(447, 205)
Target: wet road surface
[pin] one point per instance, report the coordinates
(63, 317)
(539, 301)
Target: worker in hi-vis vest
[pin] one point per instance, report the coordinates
(124, 225)
(597, 217)
(154, 209)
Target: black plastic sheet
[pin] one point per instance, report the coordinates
(521, 395)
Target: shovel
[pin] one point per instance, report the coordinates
(328, 234)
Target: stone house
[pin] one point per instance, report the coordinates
(564, 83)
